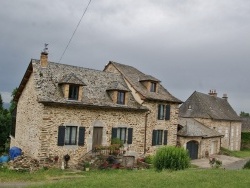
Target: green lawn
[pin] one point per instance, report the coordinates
(241, 154)
(133, 178)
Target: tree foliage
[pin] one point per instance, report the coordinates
(244, 114)
(5, 123)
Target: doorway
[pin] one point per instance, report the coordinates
(97, 137)
(192, 147)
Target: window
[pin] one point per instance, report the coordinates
(123, 133)
(158, 138)
(70, 135)
(73, 92)
(153, 87)
(120, 97)
(163, 112)
(67, 135)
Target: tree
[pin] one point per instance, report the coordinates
(1, 102)
(12, 102)
(244, 114)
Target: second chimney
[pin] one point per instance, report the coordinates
(212, 93)
(225, 96)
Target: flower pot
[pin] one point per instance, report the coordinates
(87, 169)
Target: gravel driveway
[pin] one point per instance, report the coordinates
(232, 163)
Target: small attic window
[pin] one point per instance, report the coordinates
(73, 92)
(153, 87)
(121, 97)
(189, 107)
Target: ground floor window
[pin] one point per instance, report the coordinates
(159, 137)
(71, 135)
(123, 133)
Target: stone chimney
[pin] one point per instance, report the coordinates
(44, 57)
(225, 96)
(212, 93)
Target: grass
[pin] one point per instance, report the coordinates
(132, 178)
(241, 154)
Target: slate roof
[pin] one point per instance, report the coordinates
(95, 85)
(200, 105)
(134, 77)
(193, 128)
(245, 124)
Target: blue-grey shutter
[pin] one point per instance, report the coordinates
(81, 136)
(114, 133)
(167, 115)
(159, 111)
(130, 135)
(154, 135)
(165, 140)
(61, 135)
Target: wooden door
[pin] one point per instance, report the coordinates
(192, 147)
(97, 137)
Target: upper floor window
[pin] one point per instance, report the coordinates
(73, 92)
(153, 87)
(120, 97)
(164, 112)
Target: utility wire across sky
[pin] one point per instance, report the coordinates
(74, 31)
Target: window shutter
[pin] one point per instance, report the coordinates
(61, 134)
(167, 116)
(130, 135)
(114, 133)
(154, 137)
(81, 136)
(165, 141)
(159, 111)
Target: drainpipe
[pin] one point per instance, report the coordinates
(145, 132)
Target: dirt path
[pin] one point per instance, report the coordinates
(236, 165)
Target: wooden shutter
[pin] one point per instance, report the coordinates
(61, 135)
(159, 111)
(154, 135)
(130, 135)
(167, 115)
(81, 136)
(165, 140)
(114, 133)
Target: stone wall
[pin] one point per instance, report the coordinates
(154, 123)
(207, 146)
(28, 121)
(230, 129)
(89, 118)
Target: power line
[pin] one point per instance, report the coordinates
(74, 31)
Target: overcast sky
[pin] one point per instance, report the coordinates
(190, 45)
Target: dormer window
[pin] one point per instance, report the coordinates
(73, 92)
(72, 87)
(118, 92)
(152, 87)
(120, 97)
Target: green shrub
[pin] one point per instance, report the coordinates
(247, 165)
(170, 157)
(117, 141)
(149, 159)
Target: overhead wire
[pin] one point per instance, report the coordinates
(74, 31)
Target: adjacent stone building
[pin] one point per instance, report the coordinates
(64, 109)
(214, 113)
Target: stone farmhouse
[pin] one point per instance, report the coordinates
(207, 123)
(64, 109)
